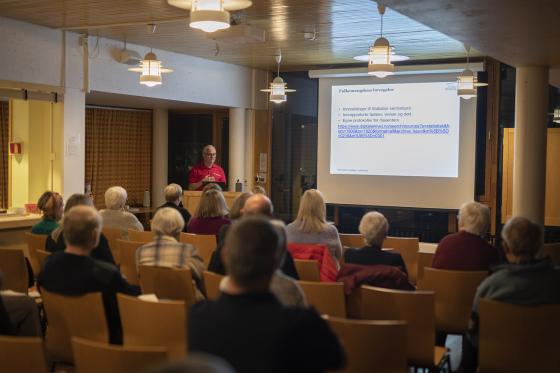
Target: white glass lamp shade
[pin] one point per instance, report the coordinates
(380, 59)
(209, 15)
(278, 91)
(466, 87)
(556, 117)
(150, 70)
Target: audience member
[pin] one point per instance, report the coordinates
(524, 280)
(237, 205)
(212, 186)
(210, 214)
(196, 363)
(173, 196)
(374, 227)
(311, 224)
(55, 242)
(51, 205)
(6, 327)
(166, 250)
(115, 216)
(18, 314)
(247, 326)
(467, 250)
(73, 272)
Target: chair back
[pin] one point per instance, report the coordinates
(307, 270)
(80, 316)
(127, 251)
(552, 250)
(516, 338)
(372, 345)
(327, 297)
(408, 248)
(352, 240)
(424, 260)
(112, 235)
(35, 242)
(12, 265)
(414, 307)
(205, 243)
(141, 236)
(42, 256)
(454, 292)
(161, 323)
(95, 357)
(167, 283)
(212, 283)
(22, 354)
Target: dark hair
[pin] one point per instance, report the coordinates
(50, 203)
(77, 199)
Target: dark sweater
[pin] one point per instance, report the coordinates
(101, 252)
(255, 333)
(183, 211)
(463, 251)
(74, 275)
(372, 255)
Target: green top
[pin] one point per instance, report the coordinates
(45, 226)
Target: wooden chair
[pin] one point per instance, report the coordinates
(307, 270)
(161, 323)
(417, 309)
(408, 248)
(95, 357)
(205, 243)
(35, 242)
(140, 236)
(424, 260)
(22, 354)
(352, 240)
(127, 250)
(42, 256)
(553, 251)
(168, 283)
(212, 283)
(516, 338)
(80, 316)
(454, 292)
(378, 346)
(112, 235)
(327, 297)
(12, 265)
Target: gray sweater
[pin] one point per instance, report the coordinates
(329, 236)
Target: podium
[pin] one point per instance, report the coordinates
(192, 197)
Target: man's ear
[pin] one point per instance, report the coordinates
(505, 247)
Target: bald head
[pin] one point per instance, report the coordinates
(82, 227)
(258, 204)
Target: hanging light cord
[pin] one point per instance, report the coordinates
(381, 9)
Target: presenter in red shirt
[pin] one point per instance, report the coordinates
(206, 171)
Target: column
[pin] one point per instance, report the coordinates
(159, 156)
(74, 142)
(236, 146)
(529, 162)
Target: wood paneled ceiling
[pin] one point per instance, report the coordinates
(345, 28)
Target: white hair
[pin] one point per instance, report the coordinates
(168, 222)
(474, 218)
(173, 192)
(115, 198)
(374, 228)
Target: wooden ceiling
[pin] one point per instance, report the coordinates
(345, 28)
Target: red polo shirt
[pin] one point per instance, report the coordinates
(200, 171)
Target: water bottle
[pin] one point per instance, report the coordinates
(146, 202)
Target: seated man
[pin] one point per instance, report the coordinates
(173, 196)
(467, 250)
(523, 281)
(247, 326)
(73, 272)
(374, 228)
(166, 250)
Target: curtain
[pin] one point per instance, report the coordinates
(118, 152)
(4, 139)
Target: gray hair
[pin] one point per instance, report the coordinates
(474, 218)
(115, 198)
(523, 237)
(173, 192)
(82, 227)
(374, 227)
(168, 222)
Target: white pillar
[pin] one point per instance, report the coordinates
(236, 146)
(74, 122)
(159, 156)
(529, 161)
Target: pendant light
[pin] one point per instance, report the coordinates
(379, 61)
(210, 15)
(278, 88)
(467, 83)
(150, 70)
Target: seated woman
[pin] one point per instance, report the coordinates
(311, 224)
(166, 250)
(114, 216)
(210, 214)
(55, 242)
(374, 227)
(51, 204)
